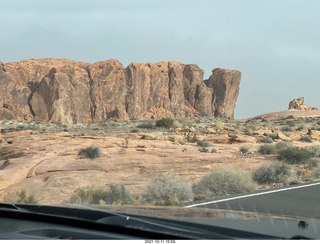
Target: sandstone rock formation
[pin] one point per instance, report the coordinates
(299, 104)
(61, 90)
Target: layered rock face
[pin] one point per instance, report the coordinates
(299, 104)
(61, 90)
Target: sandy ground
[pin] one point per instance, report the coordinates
(48, 166)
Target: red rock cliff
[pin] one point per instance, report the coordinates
(66, 91)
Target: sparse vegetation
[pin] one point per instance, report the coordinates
(244, 149)
(287, 128)
(203, 149)
(305, 139)
(219, 125)
(267, 139)
(272, 172)
(316, 173)
(249, 130)
(116, 195)
(214, 150)
(295, 155)
(199, 197)
(26, 199)
(223, 181)
(90, 152)
(204, 143)
(282, 145)
(165, 123)
(267, 149)
(146, 125)
(168, 191)
(315, 150)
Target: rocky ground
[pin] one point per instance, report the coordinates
(42, 158)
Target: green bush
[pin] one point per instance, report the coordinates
(267, 149)
(282, 145)
(295, 155)
(244, 149)
(203, 149)
(165, 123)
(305, 139)
(316, 173)
(25, 199)
(272, 172)
(147, 125)
(90, 152)
(204, 143)
(116, 194)
(287, 128)
(267, 139)
(224, 181)
(312, 162)
(315, 150)
(168, 191)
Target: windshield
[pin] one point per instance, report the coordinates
(174, 109)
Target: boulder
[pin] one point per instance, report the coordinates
(299, 104)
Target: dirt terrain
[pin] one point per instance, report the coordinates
(43, 160)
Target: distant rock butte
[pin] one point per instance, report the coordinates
(61, 90)
(299, 104)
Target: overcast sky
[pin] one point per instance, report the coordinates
(274, 43)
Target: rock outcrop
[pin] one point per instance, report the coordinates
(299, 104)
(61, 90)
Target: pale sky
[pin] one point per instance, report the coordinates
(274, 43)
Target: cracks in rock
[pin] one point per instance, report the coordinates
(33, 86)
(93, 106)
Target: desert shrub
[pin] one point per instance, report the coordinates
(219, 125)
(135, 131)
(249, 130)
(244, 149)
(26, 199)
(287, 128)
(295, 155)
(116, 194)
(168, 191)
(267, 139)
(312, 162)
(305, 139)
(273, 136)
(282, 145)
(267, 149)
(290, 123)
(204, 143)
(223, 181)
(147, 125)
(165, 123)
(213, 150)
(85, 195)
(316, 173)
(90, 152)
(271, 172)
(203, 149)
(315, 150)
(199, 197)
